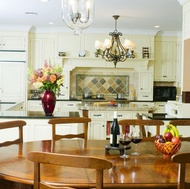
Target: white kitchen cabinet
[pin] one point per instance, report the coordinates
(13, 42)
(101, 123)
(70, 44)
(160, 107)
(12, 81)
(97, 127)
(97, 130)
(38, 129)
(145, 89)
(178, 109)
(42, 47)
(165, 60)
(65, 89)
(69, 105)
(36, 105)
(179, 62)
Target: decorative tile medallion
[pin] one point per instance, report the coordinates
(102, 84)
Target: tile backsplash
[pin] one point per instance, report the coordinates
(102, 81)
(102, 84)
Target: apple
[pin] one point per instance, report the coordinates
(175, 140)
(168, 136)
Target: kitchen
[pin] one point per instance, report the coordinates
(139, 75)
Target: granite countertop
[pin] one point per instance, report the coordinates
(161, 116)
(36, 114)
(123, 107)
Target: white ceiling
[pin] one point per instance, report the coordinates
(134, 14)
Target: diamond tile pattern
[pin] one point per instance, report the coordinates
(103, 84)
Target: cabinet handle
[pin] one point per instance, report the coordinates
(103, 125)
(146, 96)
(161, 105)
(97, 115)
(119, 115)
(70, 104)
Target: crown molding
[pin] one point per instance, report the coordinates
(183, 2)
(23, 28)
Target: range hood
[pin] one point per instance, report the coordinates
(85, 62)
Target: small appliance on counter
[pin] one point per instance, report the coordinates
(164, 93)
(35, 94)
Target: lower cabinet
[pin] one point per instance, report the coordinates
(100, 126)
(38, 129)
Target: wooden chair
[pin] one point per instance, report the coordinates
(67, 160)
(58, 121)
(182, 159)
(142, 122)
(141, 127)
(13, 124)
(179, 123)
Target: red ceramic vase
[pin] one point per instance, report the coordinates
(48, 102)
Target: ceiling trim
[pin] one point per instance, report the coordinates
(182, 2)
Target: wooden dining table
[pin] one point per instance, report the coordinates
(148, 170)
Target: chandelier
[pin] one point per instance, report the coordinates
(77, 14)
(112, 50)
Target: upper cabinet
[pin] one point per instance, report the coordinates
(13, 41)
(12, 81)
(165, 59)
(41, 47)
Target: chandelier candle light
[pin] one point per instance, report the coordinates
(78, 14)
(112, 50)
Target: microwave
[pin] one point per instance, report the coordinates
(164, 93)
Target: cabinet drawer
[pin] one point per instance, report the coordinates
(70, 104)
(160, 105)
(97, 115)
(120, 115)
(145, 96)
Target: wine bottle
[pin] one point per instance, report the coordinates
(115, 133)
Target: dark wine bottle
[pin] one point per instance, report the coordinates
(115, 133)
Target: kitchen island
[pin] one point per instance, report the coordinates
(35, 114)
(162, 116)
(37, 127)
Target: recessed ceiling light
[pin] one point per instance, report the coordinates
(156, 26)
(51, 23)
(44, 1)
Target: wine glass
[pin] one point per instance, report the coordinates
(136, 137)
(124, 140)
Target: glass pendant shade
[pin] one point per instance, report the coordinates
(78, 14)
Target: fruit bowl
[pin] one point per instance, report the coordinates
(167, 149)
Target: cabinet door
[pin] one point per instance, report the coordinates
(36, 105)
(145, 86)
(12, 81)
(165, 61)
(97, 130)
(13, 43)
(40, 50)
